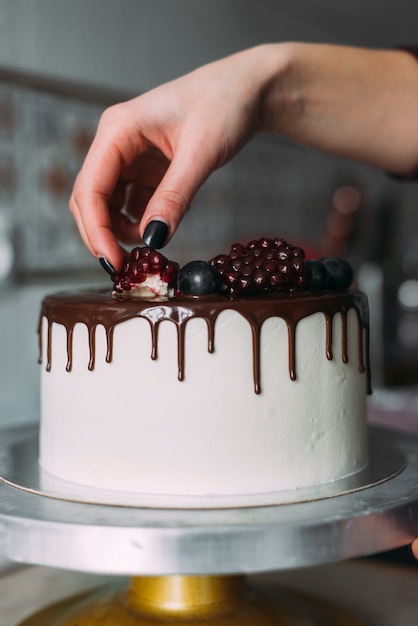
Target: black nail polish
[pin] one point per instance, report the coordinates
(107, 266)
(155, 234)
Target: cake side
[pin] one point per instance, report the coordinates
(204, 395)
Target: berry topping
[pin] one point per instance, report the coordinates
(263, 266)
(330, 273)
(198, 278)
(146, 273)
(340, 273)
(317, 275)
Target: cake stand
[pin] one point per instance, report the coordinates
(191, 565)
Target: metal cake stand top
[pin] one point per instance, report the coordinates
(130, 540)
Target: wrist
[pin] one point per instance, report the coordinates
(280, 94)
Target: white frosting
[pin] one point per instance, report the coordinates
(153, 285)
(131, 425)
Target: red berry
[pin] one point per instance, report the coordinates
(141, 263)
(237, 247)
(299, 265)
(222, 260)
(157, 258)
(269, 253)
(244, 284)
(283, 254)
(278, 242)
(265, 242)
(298, 252)
(261, 279)
(235, 254)
(258, 262)
(144, 264)
(237, 264)
(277, 279)
(270, 266)
(262, 266)
(230, 278)
(247, 270)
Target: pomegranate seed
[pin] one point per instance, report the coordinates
(285, 267)
(278, 242)
(222, 260)
(299, 264)
(298, 252)
(244, 284)
(231, 278)
(262, 266)
(258, 262)
(265, 242)
(247, 270)
(270, 266)
(136, 254)
(237, 264)
(261, 278)
(141, 263)
(283, 254)
(237, 247)
(144, 265)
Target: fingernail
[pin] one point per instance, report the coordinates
(107, 266)
(155, 234)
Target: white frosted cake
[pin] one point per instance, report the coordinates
(221, 394)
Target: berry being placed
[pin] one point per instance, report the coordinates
(198, 278)
(340, 273)
(146, 273)
(263, 266)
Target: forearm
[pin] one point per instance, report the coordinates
(356, 103)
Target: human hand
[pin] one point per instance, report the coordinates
(151, 154)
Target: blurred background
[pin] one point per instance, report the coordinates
(63, 61)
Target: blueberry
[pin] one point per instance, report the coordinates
(339, 271)
(198, 278)
(318, 277)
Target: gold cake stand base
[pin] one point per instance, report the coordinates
(193, 600)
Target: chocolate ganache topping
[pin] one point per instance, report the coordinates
(94, 308)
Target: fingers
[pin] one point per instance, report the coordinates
(96, 187)
(173, 196)
(100, 241)
(128, 181)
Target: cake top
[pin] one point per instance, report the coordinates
(262, 267)
(263, 279)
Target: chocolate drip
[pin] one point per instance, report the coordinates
(328, 322)
(94, 308)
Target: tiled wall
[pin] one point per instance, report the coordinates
(43, 140)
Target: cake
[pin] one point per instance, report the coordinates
(210, 382)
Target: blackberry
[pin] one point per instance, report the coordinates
(263, 266)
